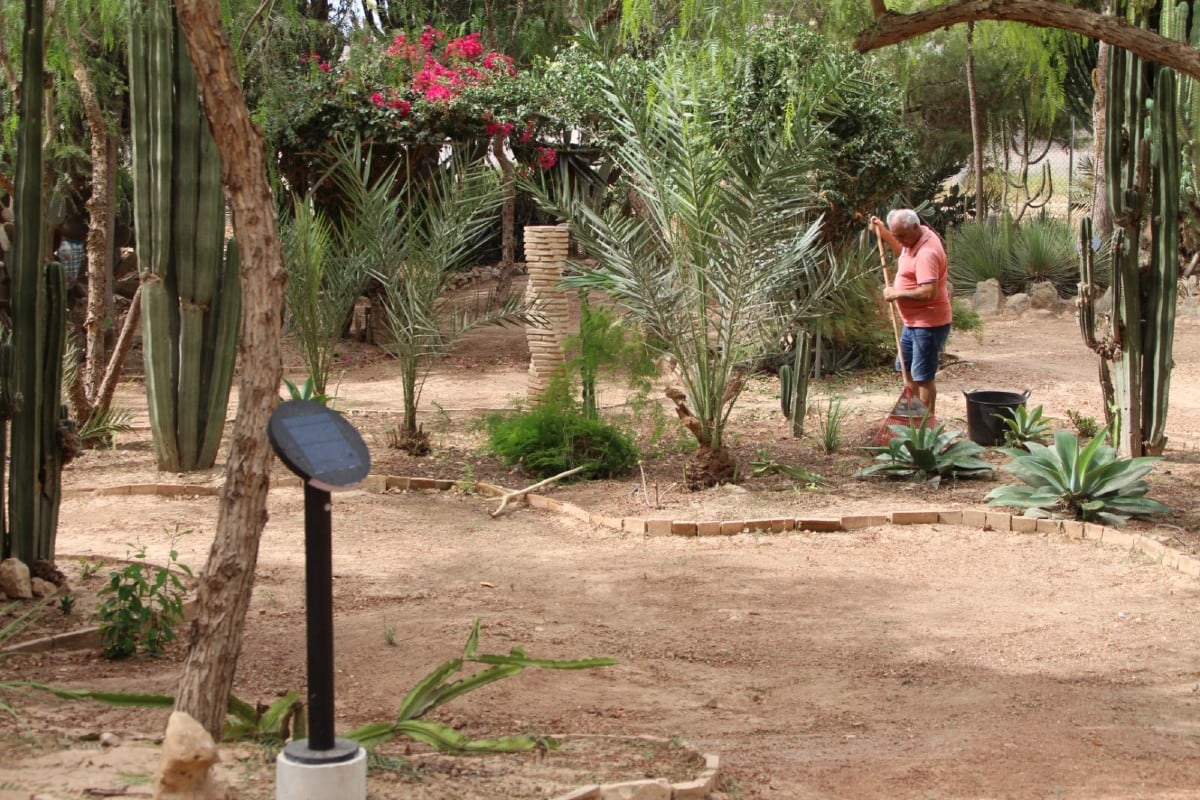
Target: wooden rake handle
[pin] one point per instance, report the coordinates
(887, 281)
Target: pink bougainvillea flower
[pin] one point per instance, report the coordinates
(430, 37)
(325, 67)
(498, 62)
(466, 47)
(527, 134)
(499, 128)
(403, 106)
(377, 99)
(546, 157)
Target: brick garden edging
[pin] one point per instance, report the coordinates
(982, 520)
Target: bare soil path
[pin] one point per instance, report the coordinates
(925, 661)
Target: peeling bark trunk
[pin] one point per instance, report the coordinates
(225, 585)
(976, 127)
(892, 28)
(101, 207)
(508, 214)
(1101, 218)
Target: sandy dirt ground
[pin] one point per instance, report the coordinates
(923, 661)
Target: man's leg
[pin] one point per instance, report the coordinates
(926, 347)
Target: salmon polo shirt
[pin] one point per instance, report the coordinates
(924, 262)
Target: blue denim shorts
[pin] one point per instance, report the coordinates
(921, 348)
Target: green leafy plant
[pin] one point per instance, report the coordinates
(765, 465)
(306, 392)
(1025, 425)
(920, 452)
(66, 604)
(832, 419)
(327, 273)
(1087, 427)
(142, 606)
(555, 436)
(88, 568)
(1089, 482)
(439, 687)
(980, 251)
(605, 343)
(964, 317)
(270, 724)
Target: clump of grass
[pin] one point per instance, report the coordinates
(832, 417)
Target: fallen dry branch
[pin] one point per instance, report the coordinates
(522, 492)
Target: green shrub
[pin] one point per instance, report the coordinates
(555, 436)
(1090, 483)
(142, 606)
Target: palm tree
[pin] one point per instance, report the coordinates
(718, 256)
(414, 240)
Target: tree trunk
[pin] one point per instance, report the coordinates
(225, 585)
(101, 208)
(508, 213)
(976, 127)
(1101, 218)
(892, 28)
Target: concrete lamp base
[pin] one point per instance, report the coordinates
(344, 780)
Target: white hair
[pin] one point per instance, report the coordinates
(905, 217)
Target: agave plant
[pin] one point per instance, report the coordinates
(920, 452)
(1090, 483)
(1025, 425)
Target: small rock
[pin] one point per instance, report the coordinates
(108, 739)
(1043, 295)
(637, 790)
(14, 579)
(188, 753)
(988, 297)
(42, 588)
(1018, 303)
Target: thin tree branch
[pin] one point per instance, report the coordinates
(892, 28)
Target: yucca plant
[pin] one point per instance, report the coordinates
(918, 452)
(1091, 482)
(1025, 425)
(1044, 250)
(980, 251)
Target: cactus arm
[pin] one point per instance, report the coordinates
(793, 383)
(27, 301)
(50, 401)
(5, 416)
(1163, 287)
(220, 357)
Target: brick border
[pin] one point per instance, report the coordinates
(968, 518)
(697, 788)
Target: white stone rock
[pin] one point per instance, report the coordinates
(637, 790)
(109, 739)
(988, 297)
(1017, 304)
(14, 579)
(1043, 295)
(188, 753)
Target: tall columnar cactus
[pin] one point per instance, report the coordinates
(191, 301)
(793, 383)
(1142, 162)
(33, 395)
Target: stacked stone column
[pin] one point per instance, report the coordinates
(546, 249)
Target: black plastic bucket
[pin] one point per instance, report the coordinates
(986, 412)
